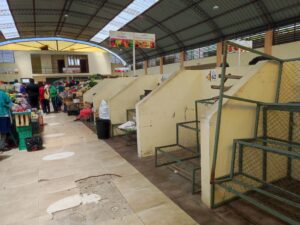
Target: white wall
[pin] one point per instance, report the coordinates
(284, 51)
(98, 63)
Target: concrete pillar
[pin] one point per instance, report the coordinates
(146, 67)
(268, 42)
(219, 53)
(161, 65)
(181, 59)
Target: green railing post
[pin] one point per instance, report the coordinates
(197, 127)
(218, 125)
(278, 82)
(291, 125)
(256, 120)
(265, 135)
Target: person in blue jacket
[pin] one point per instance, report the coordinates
(5, 124)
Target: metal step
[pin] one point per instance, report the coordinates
(226, 88)
(230, 76)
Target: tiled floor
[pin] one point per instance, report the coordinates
(179, 190)
(29, 185)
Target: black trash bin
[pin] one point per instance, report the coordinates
(103, 128)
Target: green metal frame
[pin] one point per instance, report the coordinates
(259, 105)
(172, 159)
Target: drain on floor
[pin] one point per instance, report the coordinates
(102, 202)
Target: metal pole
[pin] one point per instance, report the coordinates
(133, 56)
(218, 125)
(197, 127)
(278, 81)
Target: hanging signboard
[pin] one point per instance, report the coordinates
(119, 39)
(121, 69)
(234, 49)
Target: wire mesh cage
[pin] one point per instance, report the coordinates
(265, 169)
(263, 166)
(290, 82)
(183, 157)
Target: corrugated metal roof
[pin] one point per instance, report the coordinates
(178, 24)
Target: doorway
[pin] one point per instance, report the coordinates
(84, 66)
(60, 65)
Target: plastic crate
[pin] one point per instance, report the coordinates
(23, 133)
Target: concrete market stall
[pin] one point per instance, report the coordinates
(174, 102)
(129, 96)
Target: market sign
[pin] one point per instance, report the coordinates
(121, 69)
(234, 49)
(119, 39)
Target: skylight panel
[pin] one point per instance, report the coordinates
(136, 8)
(7, 23)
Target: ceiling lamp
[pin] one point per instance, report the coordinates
(133, 10)
(7, 23)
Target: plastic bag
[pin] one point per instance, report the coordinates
(34, 143)
(129, 125)
(103, 110)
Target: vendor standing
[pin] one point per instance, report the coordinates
(5, 124)
(33, 94)
(54, 98)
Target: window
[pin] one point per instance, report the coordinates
(257, 39)
(7, 57)
(139, 65)
(133, 10)
(202, 52)
(287, 34)
(153, 62)
(73, 60)
(173, 58)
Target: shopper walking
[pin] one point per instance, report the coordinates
(44, 102)
(33, 94)
(23, 89)
(54, 97)
(5, 124)
(47, 98)
(17, 86)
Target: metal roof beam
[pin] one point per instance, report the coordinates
(204, 15)
(34, 16)
(266, 14)
(62, 18)
(205, 21)
(166, 30)
(92, 18)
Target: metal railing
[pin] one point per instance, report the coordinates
(288, 77)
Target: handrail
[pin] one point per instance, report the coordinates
(255, 51)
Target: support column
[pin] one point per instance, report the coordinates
(161, 65)
(268, 42)
(181, 59)
(219, 53)
(146, 67)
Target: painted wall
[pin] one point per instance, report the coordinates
(110, 89)
(285, 51)
(237, 122)
(98, 63)
(88, 95)
(173, 102)
(129, 96)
